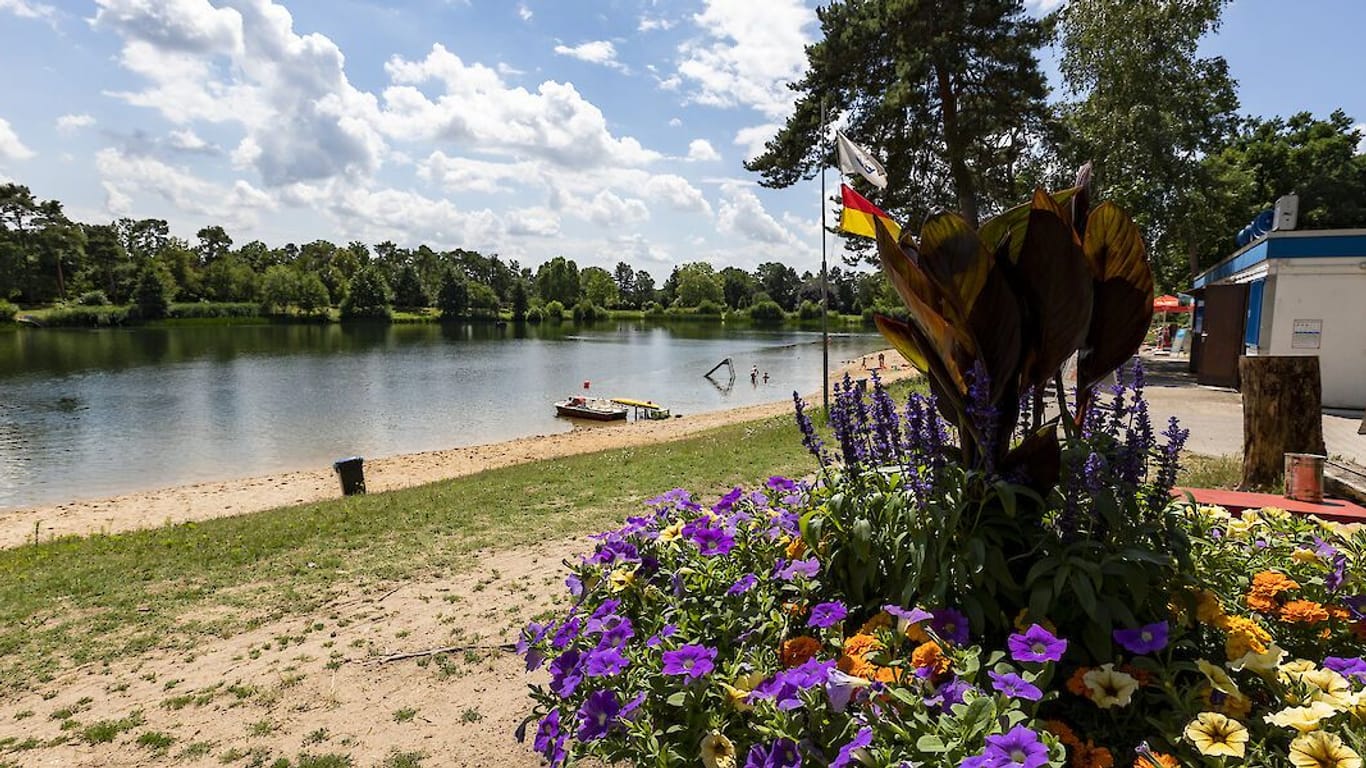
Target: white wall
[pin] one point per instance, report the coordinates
(1331, 290)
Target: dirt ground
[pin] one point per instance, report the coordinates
(316, 685)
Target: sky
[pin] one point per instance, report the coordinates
(602, 131)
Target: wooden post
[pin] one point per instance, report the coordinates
(1282, 400)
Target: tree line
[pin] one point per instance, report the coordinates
(951, 95)
(46, 259)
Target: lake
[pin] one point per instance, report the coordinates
(95, 413)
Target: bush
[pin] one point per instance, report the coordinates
(93, 299)
(586, 312)
(767, 312)
(709, 307)
(809, 310)
(7, 311)
(153, 293)
(369, 297)
(553, 311)
(654, 309)
(534, 315)
(212, 309)
(86, 317)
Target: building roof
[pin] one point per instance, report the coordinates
(1292, 244)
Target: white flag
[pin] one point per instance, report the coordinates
(856, 159)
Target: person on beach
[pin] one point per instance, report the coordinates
(754, 375)
(881, 362)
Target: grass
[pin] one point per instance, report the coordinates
(78, 600)
(1213, 472)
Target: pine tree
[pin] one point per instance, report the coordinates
(153, 293)
(454, 297)
(409, 291)
(369, 296)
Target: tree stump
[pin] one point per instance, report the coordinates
(1282, 399)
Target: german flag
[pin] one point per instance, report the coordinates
(859, 215)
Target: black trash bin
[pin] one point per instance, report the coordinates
(352, 474)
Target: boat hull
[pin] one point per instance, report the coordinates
(594, 414)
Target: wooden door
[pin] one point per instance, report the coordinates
(1222, 335)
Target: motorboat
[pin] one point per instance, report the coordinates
(596, 408)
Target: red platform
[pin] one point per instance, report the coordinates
(1237, 501)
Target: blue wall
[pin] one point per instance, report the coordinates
(1310, 247)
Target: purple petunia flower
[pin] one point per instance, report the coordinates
(808, 568)
(841, 687)
(1018, 748)
(860, 741)
(713, 542)
(628, 712)
(690, 661)
(550, 738)
(566, 633)
(1337, 573)
(598, 715)
(780, 754)
(949, 693)
(575, 584)
(1036, 644)
(1356, 605)
(951, 625)
(785, 687)
(605, 661)
(743, 584)
(667, 631)
(1149, 638)
(533, 633)
(1347, 667)
(728, 501)
(1015, 686)
(607, 610)
(825, 615)
(566, 673)
(975, 761)
(912, 616)
(616, 631)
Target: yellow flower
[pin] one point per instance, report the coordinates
(1218, 678)
(1328, 687)
(1244, 636)
(1272, 514)
(1294, 670)
(1319, 749)
(1304, 556)
(717, 751)
(795, 548)
(1207, 608)
(1110, 688)
(672, 533)
(1214, 512)
(1260, 663)
(1302, 719)
(1216, 735)
(1239, 528)
(737, 693)
(622, 578)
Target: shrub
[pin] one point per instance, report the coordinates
(212, 309)
(654, 309)
(93, 299)
(809, 310)
(369, 296)
(534, 315)
(553, 311)
(7, 311)
(86, 317)
(153, 293)
(586, 312)
(767, 312)
(709, 307)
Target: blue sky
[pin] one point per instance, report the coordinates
(603, 131)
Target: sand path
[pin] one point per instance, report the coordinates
(202, 501)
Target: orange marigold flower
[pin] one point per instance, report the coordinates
(1303, 612)
(1088, 755)
(798, 650)
(1260, 603)
(1076, 684)
(1208, 610)
(1338, 613)
(1063, 731)
(794, 609)
(856, 666)
(1152, 759)
(796, 547)
(1272, 583)
(1359, 629)
(861, 645)
(1244, 635)
(880, 620)
(930, 656)
(854, 661)
(888, 675)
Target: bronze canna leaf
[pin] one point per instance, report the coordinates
(1123, 293)
(1056, 286)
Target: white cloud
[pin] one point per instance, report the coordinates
(675, 122)
(1043, 6)
(69, 124)
(27, 9)
(524, 12)
(676, 192)
(755, 137)
(749, 54)
(124, 175)
(607, 209)
(594, 52)
(742, 213)
(186, 141)
(533, 222)
(701, 150)
(462, 174)
(1360, 128)
(554, 123)
(244, 64)
(648, 24)
(11, 147)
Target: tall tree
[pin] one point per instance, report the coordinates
(1148, 109)
(738, 286)
(626, 284)
(214, 244)
(598, 286)
(645, 288)
(698, 282)
(558, 280)
(780, 282)
(948, 92)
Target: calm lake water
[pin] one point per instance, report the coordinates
(94, 413)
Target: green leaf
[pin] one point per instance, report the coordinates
(677, 699)
(930, 743)
(1086, 593)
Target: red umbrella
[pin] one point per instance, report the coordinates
(1169, 304)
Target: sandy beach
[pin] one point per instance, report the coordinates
(202, 501)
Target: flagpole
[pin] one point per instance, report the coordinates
(825, 288)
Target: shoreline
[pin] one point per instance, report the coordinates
(223, 498)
